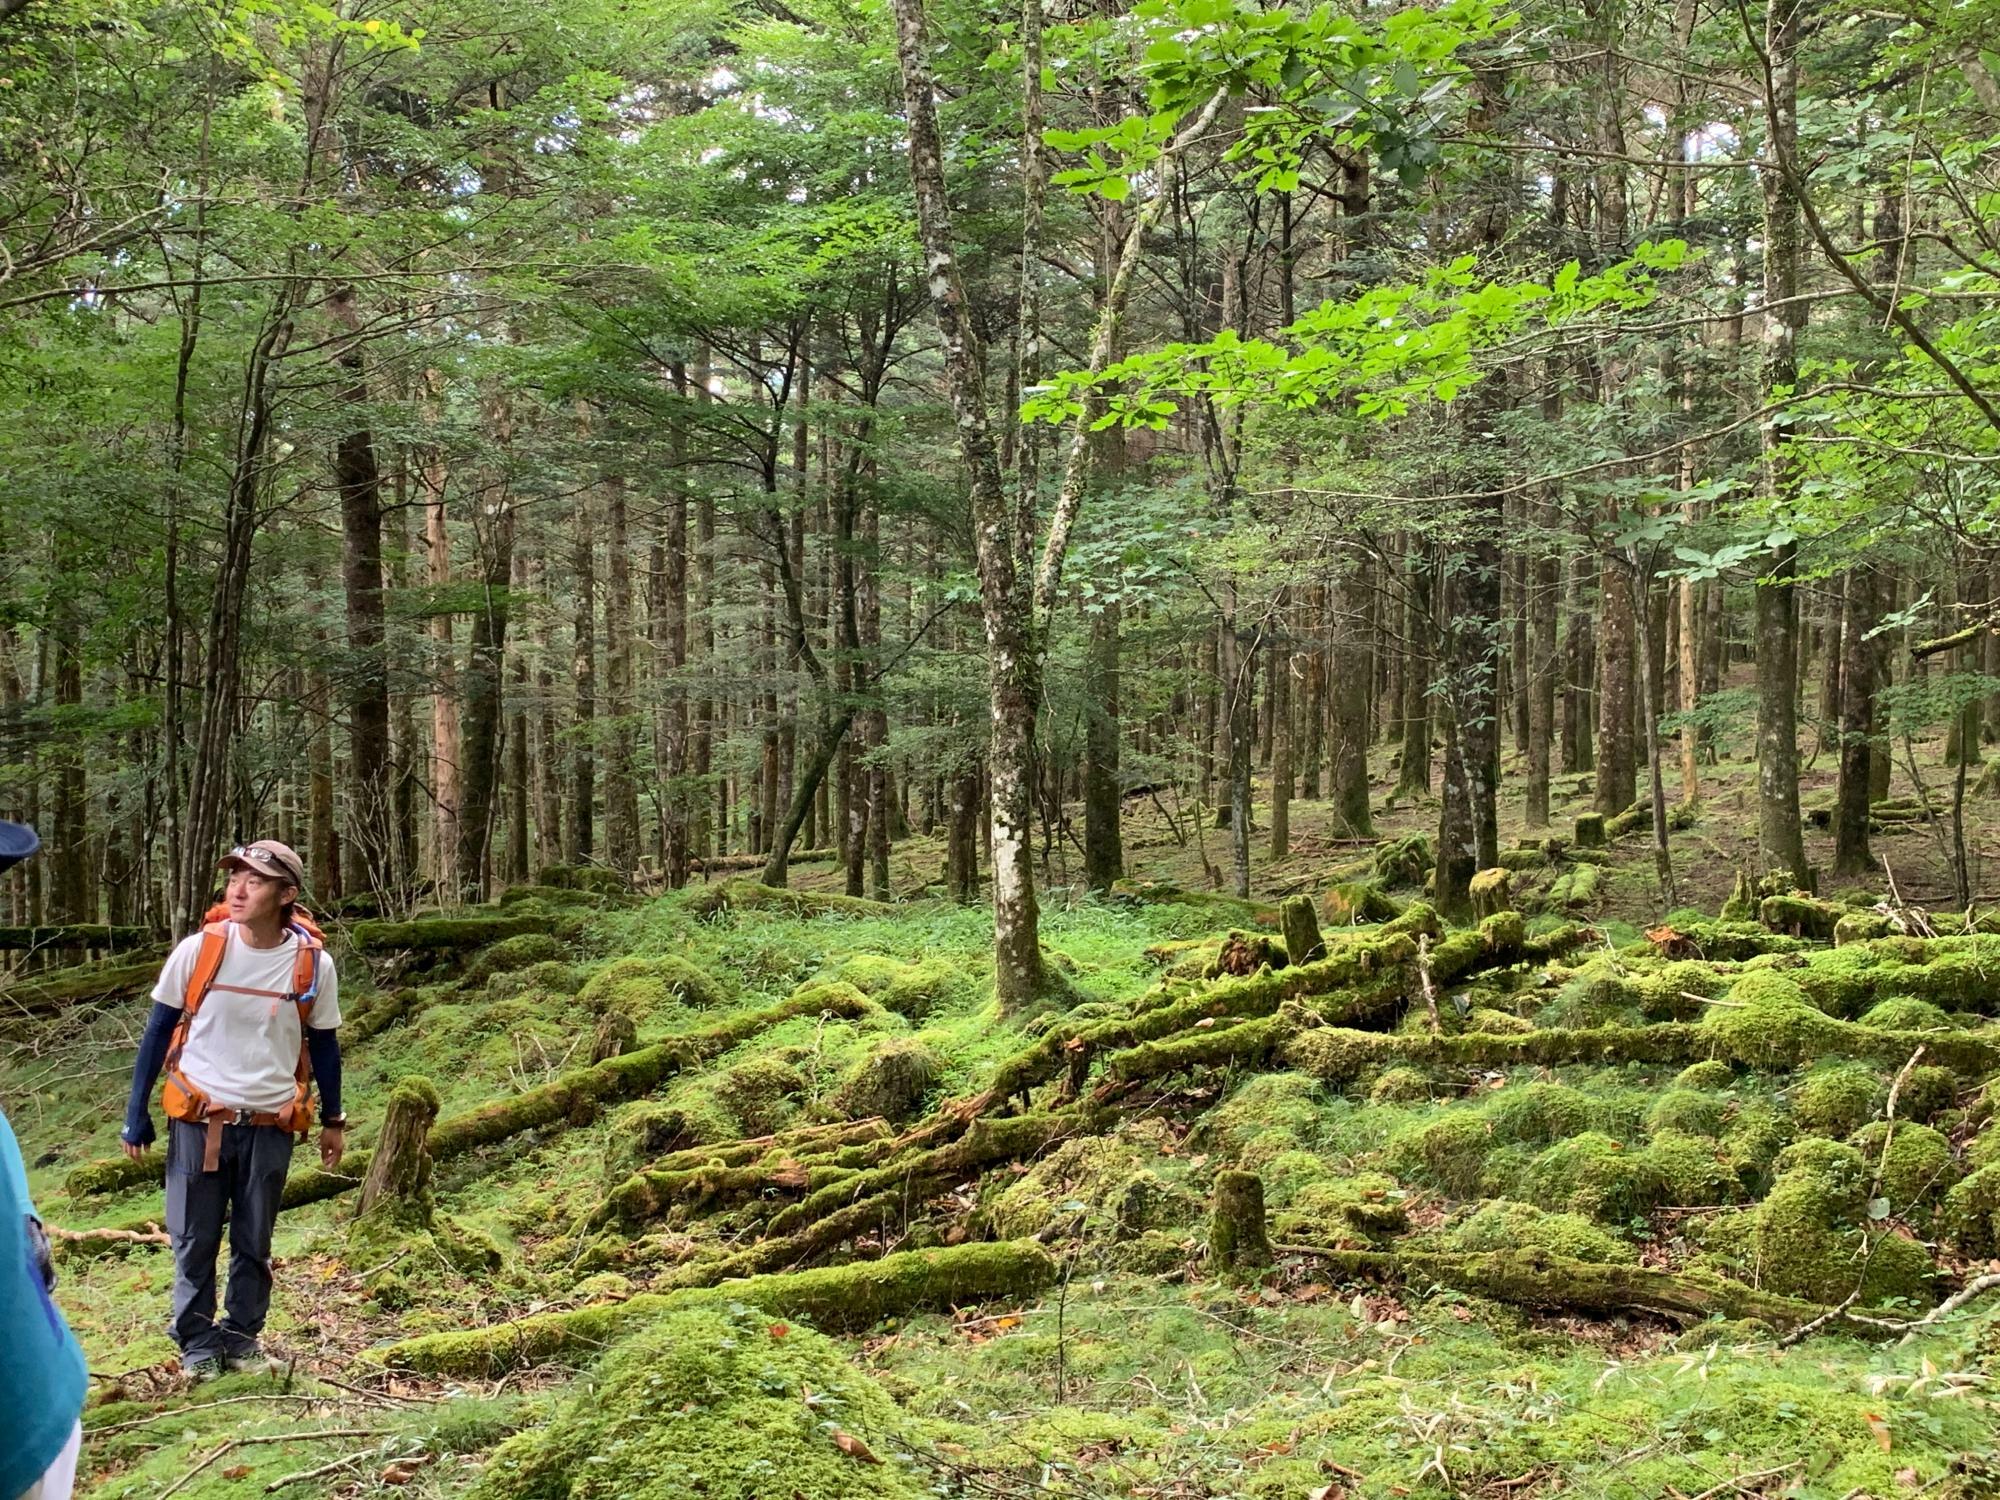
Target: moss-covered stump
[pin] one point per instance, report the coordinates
(1577, 887)
(594, 879)
(1300, 925)
(1589, 831)
(1492, 892)
(1239, 1246)
(713, 1401)
(1243, 954)
(400, 1167)
(836, 1299)
(891, 1082)
(443, 934)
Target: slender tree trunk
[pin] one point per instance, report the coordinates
(446, 753)
(672, 610)
(1851, 854)
(621, 792)
(1351, 688)
(484, 675)
(1103, 844)
(580, 826)
(1544, 590)
(1780, 839)
(1414, 776)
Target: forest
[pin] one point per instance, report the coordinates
(1177, 749)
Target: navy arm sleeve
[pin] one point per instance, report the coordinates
(323, 1046)
(146, 1072)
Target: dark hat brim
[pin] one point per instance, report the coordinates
(17, 842)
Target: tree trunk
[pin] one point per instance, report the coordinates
(1780, 840)
(671, 610)
(400, 1168)
(579, 827)
(1851, 854)
(446, 754)
(1012, 663)
(1544, 589)
(1103, 845)
(370, 836)
(479, 731)
(1414, 775)
(621, 793)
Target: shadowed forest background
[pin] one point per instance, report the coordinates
(807, 578)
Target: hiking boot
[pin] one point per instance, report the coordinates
(199, 1371)
(251, 1362)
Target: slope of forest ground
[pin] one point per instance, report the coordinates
(1551, 1201)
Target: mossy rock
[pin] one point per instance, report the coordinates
(1806, 1238)
(1688, 1111)
(1768, 1020)
(1926, 1093)
(1837, 1099)
(1154, 1252)
(1367, 1206)
(1449, 1152)
(1096, 1184)
(1487, 1021)
(1918, 1171)
(594, 879)
(1712, 1074)
(1502, 1224)
(1536, 1114)
(1860, 927)
(1403, 861)
(1693, 1169)
(510, 954)
(1596, 1177)
(548, 978)
(1906, 1013)
(644, 988)
(915, 991)
(761, 1093)
(1293, 1104)
(708, 1402)
(1972, 1213)
(1799, 916)
(891, 1081)
(1353, 903)
(1753, 1138)
(1589, 833)
(1400, 1086)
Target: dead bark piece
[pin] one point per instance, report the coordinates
(400, 1169)
(617, 1034)
(1238, 1245)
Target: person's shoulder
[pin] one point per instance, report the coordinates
(187, 947)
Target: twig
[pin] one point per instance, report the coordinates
(320, 1473)
(1889, 1118)
(1742, 1479)
(1424, 978)
(181, 1411)
(183, 1481)
(1806, 1330)
(137, 1237)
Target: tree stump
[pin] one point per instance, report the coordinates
(617, 1034)
(400, 1170)
(1492, 892)
(1590, 830)
(1300, 924)
(1238, 1246)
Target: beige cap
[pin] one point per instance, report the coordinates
(267, 857)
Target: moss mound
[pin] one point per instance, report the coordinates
(1837, 1099)
(644, 987)
(1906, 1013)
(509, 954)
(1713, 1074)
(891, 1081)
(913, 990)
(1688, 1111)
(1502, 1224)
(1595, 1177)
(1915, 1172)
(723, 1403)
(1972, 1212)
(1767, 1019)
(1096, 1184)
(1363, 1207)
(1400, 1086)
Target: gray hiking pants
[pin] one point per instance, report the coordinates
(245, 1190)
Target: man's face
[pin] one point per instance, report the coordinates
(256, 898)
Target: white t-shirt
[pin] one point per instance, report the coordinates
(243, 1049)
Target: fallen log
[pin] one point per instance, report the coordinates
(749, 895)
(576, 1095)
(834, 1299)
(54, 990)
(705, 1177)
(1552, 1283)
(434, 934)
(74, 935)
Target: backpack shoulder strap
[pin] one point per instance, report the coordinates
(305, 970)
(207, 964)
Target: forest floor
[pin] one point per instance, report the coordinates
(1554, 1207)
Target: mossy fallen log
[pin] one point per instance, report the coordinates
(1552, 1283)
(1229, 910)
(707, 1177)
(576, 1095)
(749, 895)
(74, 935)
(55, 989)
(1337, 1055)
(735, 863)
(834, 1299)
(458, 934)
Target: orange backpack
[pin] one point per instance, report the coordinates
(180, 1098)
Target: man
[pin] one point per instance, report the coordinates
(243, 1024)
(41, 1364)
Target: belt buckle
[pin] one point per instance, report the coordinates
(243, 1117)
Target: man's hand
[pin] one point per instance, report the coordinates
(332, 1144)
(137, 1153)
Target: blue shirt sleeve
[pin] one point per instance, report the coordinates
(42, 1375)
